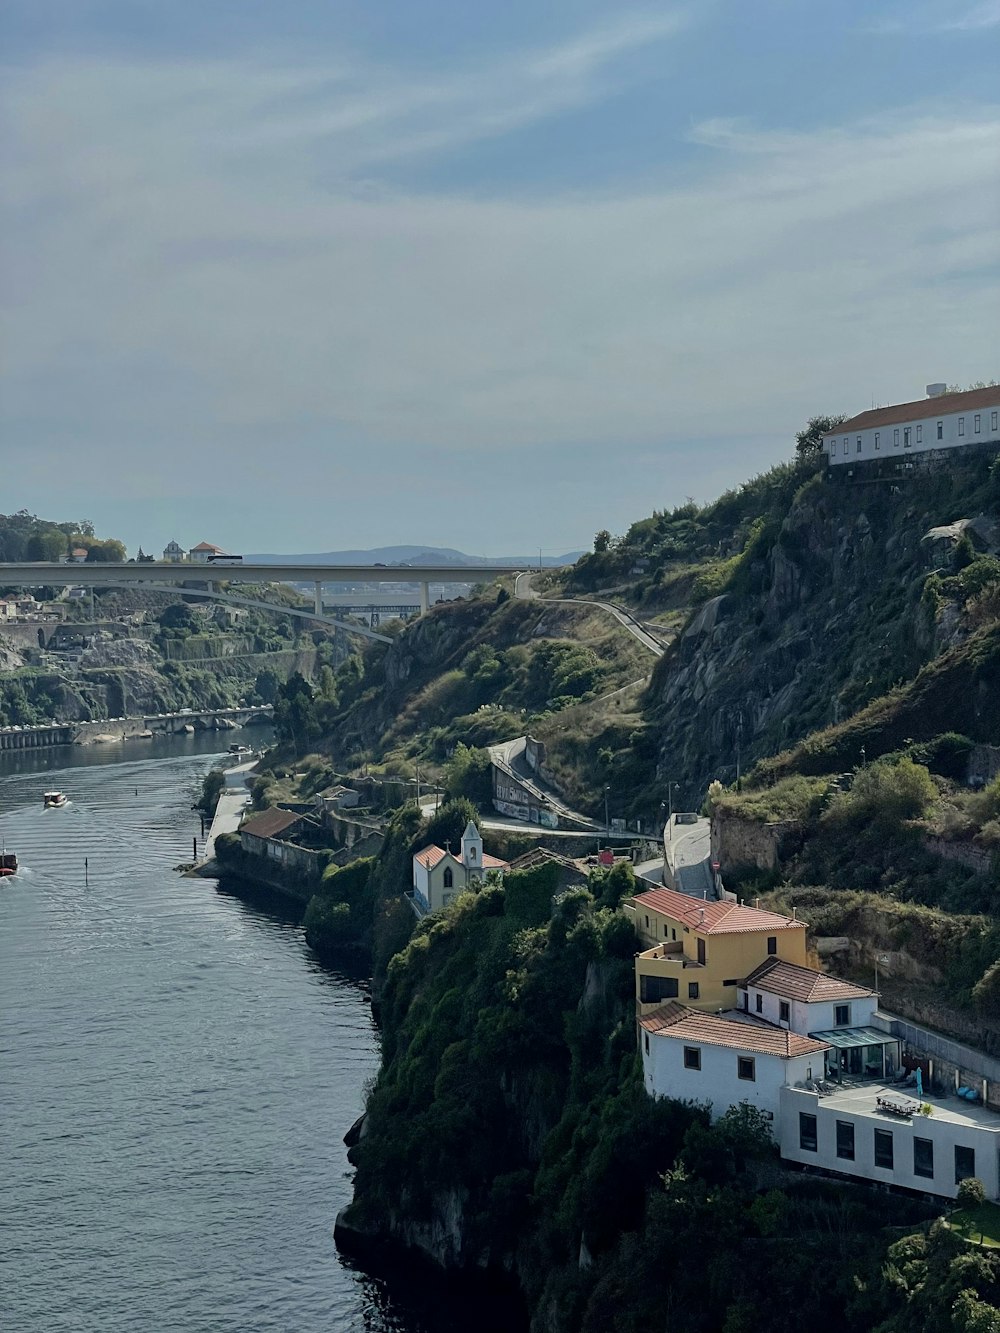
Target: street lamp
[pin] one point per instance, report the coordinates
(607, 822)
(670, 807)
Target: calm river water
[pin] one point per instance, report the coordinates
(176, 1076)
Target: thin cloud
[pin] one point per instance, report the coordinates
(936, 18)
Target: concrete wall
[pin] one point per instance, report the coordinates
(968, 854)
(534, 754)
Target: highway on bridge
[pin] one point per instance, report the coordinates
(89, 575)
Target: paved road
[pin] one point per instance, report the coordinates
(524, 590)
(510, 756)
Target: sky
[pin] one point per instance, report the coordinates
(348, 273)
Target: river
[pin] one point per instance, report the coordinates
(176, 1076)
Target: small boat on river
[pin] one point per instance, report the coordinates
(8, 864)
(52, 800)
(240, 749)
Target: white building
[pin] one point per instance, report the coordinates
(200, 553)
(835, 1012)
(940, 421)
(439, 876)
(694, 1056)
(850, 1131)
(173, 552)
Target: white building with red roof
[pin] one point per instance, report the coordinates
(699, 1057)
(439, 875)
(200, 553)
(940, 421)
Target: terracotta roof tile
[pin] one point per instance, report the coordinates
(430, 856)
(713, 918)
(270, 822)
(802, 983)
(921, 409)
(683, 1024)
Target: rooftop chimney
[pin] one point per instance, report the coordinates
(936, 390)
(794, 916)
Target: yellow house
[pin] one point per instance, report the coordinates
(699, 951)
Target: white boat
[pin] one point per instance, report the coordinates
(52, 800)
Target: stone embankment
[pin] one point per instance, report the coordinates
(108, 730)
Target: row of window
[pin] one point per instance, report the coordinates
(923, 1149)
(977, 427)
(746, 1065)
(841, 1012)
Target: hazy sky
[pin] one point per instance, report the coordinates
(480, 273)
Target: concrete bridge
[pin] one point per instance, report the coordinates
(127, 728)
(159, 573)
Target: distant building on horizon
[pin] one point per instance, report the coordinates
(938, 422)
(200, 553)
(173, 552)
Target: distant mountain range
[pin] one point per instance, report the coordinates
(414, 556)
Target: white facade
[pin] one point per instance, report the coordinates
(949, 425)
(924, 1143)
(173, 552)
(803, 1016)
(722, 1076)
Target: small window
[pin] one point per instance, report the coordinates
(731, 981)
(472, 853)
(646, 1036)
(923, 1158)
(673, 933)
(965, 1163)
(807, 1132)
(701, 952)
(833, 448)
(846, 444)
(692, 1057)
(692, 990)
(760, 1003)
(449, 878)
(665, 929)
(859, 444)
(940, 430)
(895, 438)
(920, 434)
(876, 439)
(784, 1011)
(993, 421)
(647, 922)
(845, 1140)
(772, 944)
(977, 423)
(961, 425)
(906, 437)
(842, 1015)
(883, 1148)
(746, 1068)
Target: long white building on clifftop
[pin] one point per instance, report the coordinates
(940, 421)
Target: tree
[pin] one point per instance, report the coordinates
(470, 773)
(602, 542)
(971, 1193)
(46, 544)
(809, 442)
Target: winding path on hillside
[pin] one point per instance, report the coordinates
(525, 592)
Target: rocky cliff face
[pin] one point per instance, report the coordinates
(827, 616)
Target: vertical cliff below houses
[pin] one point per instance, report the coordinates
(835, 599)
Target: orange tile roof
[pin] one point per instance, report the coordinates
(713, 918)
(270, 822)
(677, 1021)
(802, 983)
(921, 409)
(431, 856)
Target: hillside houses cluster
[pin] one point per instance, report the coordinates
(728, 1011)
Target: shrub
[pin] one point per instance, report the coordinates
(971, 1193)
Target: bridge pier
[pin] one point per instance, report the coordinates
(318, 603)
(425, 597)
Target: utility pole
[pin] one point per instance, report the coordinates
(607, 821)
(670, 808)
